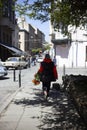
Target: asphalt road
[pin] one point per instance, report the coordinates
(7, 86)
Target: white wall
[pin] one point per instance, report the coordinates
(77, 54)
(23, 24)
(73, 55)
(62, 55)
(22, 41)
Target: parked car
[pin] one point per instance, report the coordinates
(15, 62)
(3, 70)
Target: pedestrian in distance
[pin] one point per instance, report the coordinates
(54, 60)
(33, 60)
(48, 73)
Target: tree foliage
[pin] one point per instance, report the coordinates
(47, 47)
(62, 13)
(36, 51)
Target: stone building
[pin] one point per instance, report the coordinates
(8, 24)
(29, 36)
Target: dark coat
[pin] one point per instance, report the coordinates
(48, 69)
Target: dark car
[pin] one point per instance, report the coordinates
(3, 70)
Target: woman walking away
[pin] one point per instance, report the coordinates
(48, 74)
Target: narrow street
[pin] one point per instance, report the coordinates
(29, 110)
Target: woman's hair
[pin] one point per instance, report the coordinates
(47, 56)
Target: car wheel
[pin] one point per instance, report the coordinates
(7, 68)
(25, 67)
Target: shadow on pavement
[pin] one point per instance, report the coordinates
(4, 78)
(58, 113)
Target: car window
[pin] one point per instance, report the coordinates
(12, 59)
(15, 59)
(20, 59)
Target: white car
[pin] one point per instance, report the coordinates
(40, 59)
(15, 62)
(3, 70)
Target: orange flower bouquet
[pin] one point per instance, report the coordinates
(36, 79)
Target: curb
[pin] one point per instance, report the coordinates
(8, 100)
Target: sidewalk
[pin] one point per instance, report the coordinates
(29, 111)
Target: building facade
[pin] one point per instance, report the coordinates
(29, 36)
(40, 38)
(7, 29)
(71, 52)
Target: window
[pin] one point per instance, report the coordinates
(19, 36)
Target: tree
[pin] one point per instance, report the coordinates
(62, 13)
(36, 51)
(47, 47)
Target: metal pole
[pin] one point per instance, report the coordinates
(29, 62)
(19, 76)
(14, 77)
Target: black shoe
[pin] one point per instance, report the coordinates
(47, 94)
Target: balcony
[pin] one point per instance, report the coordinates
(6, 22)
(61, 41)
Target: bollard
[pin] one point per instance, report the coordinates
(19, 77)
(29, 63)
(14, 75)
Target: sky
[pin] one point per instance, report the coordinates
(44, 27)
